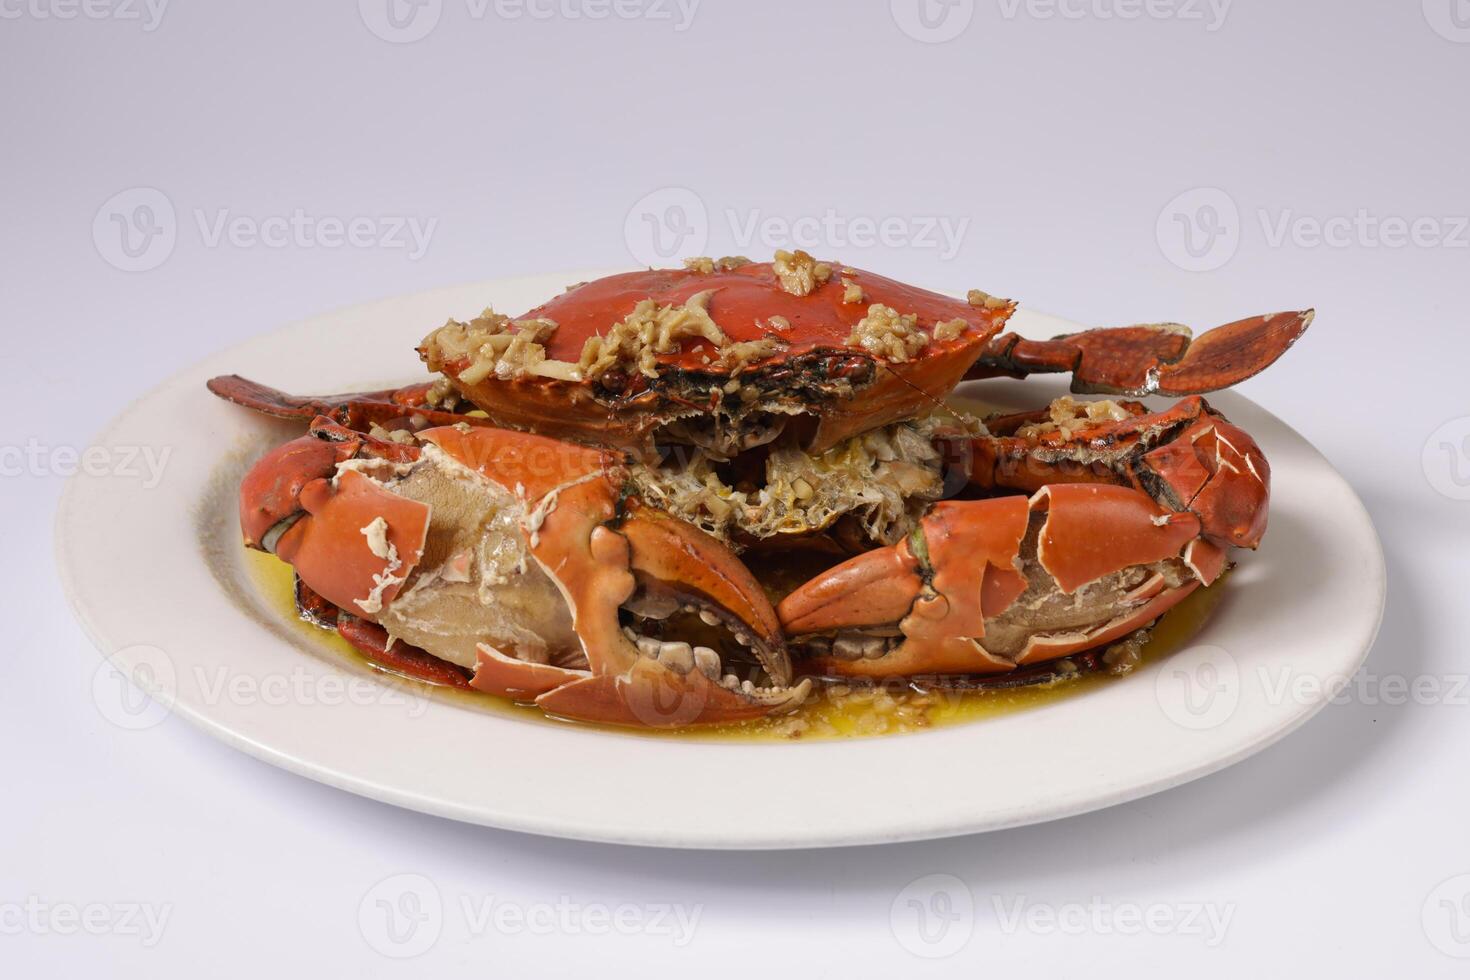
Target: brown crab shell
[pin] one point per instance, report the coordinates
(854, 390)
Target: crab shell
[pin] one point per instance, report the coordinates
(1188, 457)
(1125, 518)
(949, 585)
(817, 371)
(356, 544)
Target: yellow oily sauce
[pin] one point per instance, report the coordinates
(835, 710)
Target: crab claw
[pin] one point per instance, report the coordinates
(677, 569)
(270, 493)
(989, 586)
(1150, 359)
(644, 681)
(358, 411)
(357, 543)
(1217, 472)
(1189, 458)
(674, 629)
(673, 560)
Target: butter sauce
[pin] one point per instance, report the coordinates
(834, 711)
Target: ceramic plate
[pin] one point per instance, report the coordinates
(1297, 619)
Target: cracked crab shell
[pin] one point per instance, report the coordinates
(784, 358)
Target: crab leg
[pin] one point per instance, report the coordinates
(988, 586)
(1150, 359)
(1188, 457)
(358, 411)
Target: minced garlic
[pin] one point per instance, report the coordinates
(495, 344)
(950, 329)
(442, 394)
(734, 357)
(401, 436)
(646, 332)
(979, 297)
(888, 334)
(876, 477)
(1067, 415)
(706, 265)
(799, 273)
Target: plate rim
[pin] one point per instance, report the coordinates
(508, 818)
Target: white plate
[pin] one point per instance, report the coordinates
(1299, 616)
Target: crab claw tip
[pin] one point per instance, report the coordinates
(676, 559)
(878, 586)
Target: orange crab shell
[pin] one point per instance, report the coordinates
(1189, 452)
(971, 549)
(747, 303)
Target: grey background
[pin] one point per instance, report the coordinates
(1072, 143)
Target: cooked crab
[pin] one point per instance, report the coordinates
(768, 406)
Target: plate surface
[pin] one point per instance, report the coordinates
(1298, 619)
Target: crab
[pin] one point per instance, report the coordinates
(584, 510)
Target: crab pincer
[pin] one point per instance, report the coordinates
(358, 410)
(1149, 359)
(525, 560)
(988, 586)
(1150, 505)
(1189, 457)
